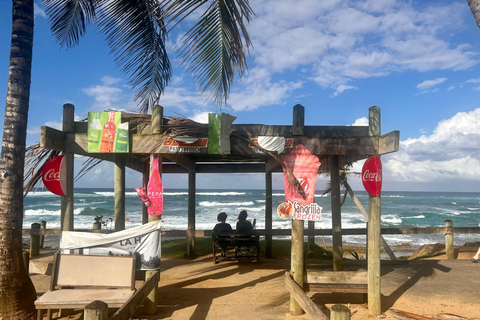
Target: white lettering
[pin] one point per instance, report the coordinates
(52, 175)
(372, 176)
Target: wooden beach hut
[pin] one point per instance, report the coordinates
(237, 151)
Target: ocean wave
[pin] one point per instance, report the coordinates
(175, 193)
(417, 217)
(227, 193)
(104, 193)
(228, 204)
(42, 212)
(393, 196)
(391, 219)
(40, 194)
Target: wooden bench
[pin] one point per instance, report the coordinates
(78, 280)
(337, 281)
(238, 241)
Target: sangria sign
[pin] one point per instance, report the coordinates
(294, 210)
(372, 176)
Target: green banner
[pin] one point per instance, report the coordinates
(106, 134)
(214, 133)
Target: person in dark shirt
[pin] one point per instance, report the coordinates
(222, 227)
(243, 225)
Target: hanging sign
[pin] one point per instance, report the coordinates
(155, 190)
(372, 176)
(296, 211)
(54, 176)
(106, 134)
(302, 166)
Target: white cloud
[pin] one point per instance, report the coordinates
(450, 153)
(37, 11)
(334, 43)
(200, 117)
(341, 88)
(361, 122)
(107, 95)
(430, 83)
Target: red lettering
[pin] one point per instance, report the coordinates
(52, 175)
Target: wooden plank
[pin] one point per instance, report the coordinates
(310, 308)
(119, 191)
(268, 213)
(82, 270)
(52, 138)
(67, 201)
(191, 213)
(131, 305)
(325, 277)
(338, 287)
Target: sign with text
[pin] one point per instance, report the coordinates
(372, 176)
(54, 176)
(106, 134)
(294, 210)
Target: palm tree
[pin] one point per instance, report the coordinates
(136, 31)
(475, 8)
(16, 289)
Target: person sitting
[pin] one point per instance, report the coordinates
(222, 227)
(244, 226)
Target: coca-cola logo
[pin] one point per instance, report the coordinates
(372, 176)
(51, 175)
(54, 177)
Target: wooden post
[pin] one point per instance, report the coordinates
(119, 191)
(34, 241)
(297, 252)
(145, 178)
(150, 303)
(26, 260)
(337, 244)
(191, 213)
(268, 214)
(43, 226)
(373, 232)
(66, 220)
(97, 226)
(449, 245)
(339, 312)
(96, 310)
(311, 238)
(297, 261)
(298, 120)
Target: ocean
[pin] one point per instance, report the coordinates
(399, 209)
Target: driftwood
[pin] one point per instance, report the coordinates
(403, 315)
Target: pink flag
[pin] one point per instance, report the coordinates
(304, 167)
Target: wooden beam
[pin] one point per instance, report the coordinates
(268, 213)
(311, 309)
(119, 191)
(191, 213)
(389, 142)
(297, 263)
(183, 160)
(273, 164)
(132, 304)
(52, 138)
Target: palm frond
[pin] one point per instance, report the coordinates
(136, 35)
(212, 50)
(69, 19)
(475, 8)
(35, 159)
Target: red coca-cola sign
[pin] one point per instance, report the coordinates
(54, 176)
(372, 176)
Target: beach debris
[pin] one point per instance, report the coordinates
(428, 250)
(449, 316)
(399, 314)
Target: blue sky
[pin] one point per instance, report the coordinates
(417, 60)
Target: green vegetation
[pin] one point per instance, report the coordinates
(177, 248)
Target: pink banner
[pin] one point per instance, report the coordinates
(304, 167)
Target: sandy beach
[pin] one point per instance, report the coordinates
(199, 289)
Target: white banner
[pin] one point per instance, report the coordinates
(145, 240)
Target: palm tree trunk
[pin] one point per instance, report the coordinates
(17, 292)
(475, 8)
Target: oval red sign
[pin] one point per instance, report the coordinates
(372, 176)
(53, 176)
